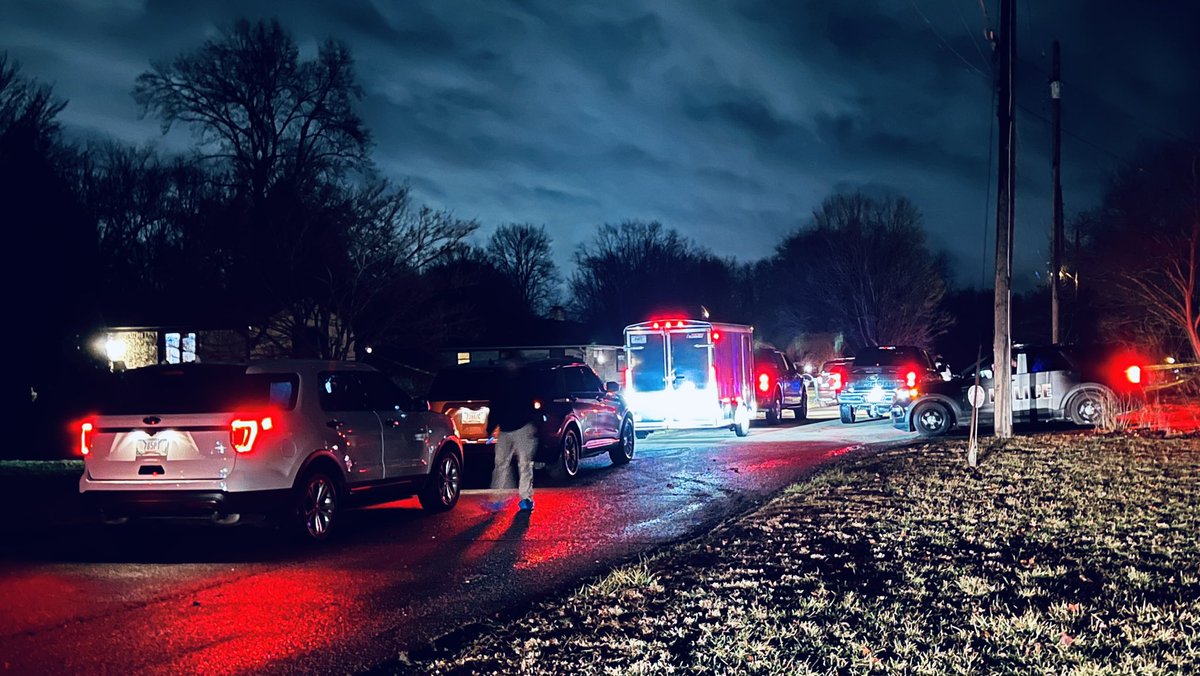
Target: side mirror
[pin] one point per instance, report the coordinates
(612, 386)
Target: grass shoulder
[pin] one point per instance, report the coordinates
(1060, 553)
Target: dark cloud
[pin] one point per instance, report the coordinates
(727, 120)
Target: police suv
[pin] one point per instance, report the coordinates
(1079, 384)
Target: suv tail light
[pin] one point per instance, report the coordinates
(86, 430)
(835, 380)
(910, 379)
(243, 432)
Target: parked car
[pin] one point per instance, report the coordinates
(780, 385)
(1049, 383)
(872, 380)
(830, 380)
(297, 440)
(582, 415)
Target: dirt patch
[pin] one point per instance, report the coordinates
(1060, 553)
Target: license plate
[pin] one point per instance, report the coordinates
(472, 417)
(153, 448)
(875, 395)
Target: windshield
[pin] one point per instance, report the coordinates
(689, 358)
(893, 356)
(647, 361)
(196, 389)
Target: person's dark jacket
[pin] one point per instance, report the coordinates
(511, 406)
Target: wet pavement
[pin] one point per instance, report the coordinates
(166, 598)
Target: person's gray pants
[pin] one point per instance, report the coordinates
(523, 444)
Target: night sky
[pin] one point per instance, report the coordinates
(729, 121)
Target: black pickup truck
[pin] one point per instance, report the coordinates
(872, 379)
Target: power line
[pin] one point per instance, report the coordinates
(946, 44)
(974, 40)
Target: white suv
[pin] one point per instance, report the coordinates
(298, 440)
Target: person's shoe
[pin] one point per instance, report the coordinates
(526, 505)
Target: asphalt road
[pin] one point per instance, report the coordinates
(168, 598)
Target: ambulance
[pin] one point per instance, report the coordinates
(689, 374)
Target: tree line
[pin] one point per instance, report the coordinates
(276, 218)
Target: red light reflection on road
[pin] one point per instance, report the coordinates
(243, 626)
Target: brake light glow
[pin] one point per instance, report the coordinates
(85, 437)
(764, 382)
(910, 379)
(835, 381)
(1134, 374)
(537, 405)
(244, 432)
(716, 336)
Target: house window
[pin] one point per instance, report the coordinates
(180, 347)
(464, 357)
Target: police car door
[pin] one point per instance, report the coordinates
(986, 381)
(1051, 376)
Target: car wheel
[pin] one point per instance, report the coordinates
(1087, 407)
(801, 411)
(567, 465)
(622, 452)
(318, 506)
(775, 409)
(444, 484)
(931, 420)
(847, 413)
(741, 421)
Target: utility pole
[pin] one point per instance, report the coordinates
(1055, 171)
(1005, 204)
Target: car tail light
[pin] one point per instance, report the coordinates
(716, 335)
(537, 405)
(835, 381)
(86, 430)
(764, 382)
(1134, 374)
(628, 376)
(244, 432)
(910, 379)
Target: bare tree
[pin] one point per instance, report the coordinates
(521, 253)
(863, 267)
(1144, 250)
(27, 108)
(372, 287)
(254, 105)
(631, 271)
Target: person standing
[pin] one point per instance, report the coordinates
(513, 418)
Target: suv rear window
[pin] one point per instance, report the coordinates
(464, 383)
(895, 356)
(195, 389)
